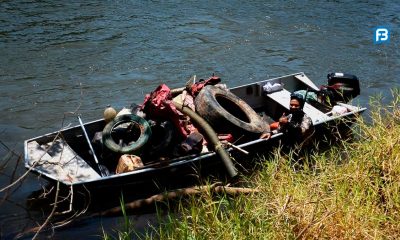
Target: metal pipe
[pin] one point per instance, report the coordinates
(103, 174)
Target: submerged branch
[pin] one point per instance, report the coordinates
(51, 214)
(233, 191)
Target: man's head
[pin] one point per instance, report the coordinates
(296, 102)
(296, 106)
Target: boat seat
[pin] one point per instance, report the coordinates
(58, 161)
(283, 98)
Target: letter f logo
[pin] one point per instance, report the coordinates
(382, 35)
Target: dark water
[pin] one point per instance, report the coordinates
(56, 57)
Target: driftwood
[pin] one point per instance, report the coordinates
(137, 204)
(233, 191)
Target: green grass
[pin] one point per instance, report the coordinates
(127, 232)
(351, 191)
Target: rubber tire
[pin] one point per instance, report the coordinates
(145, 133)
(226, 112)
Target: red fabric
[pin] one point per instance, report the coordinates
(274, 125)
(227, 137)
(158, 104)
(195, 89)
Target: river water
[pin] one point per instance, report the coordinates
(58, 57)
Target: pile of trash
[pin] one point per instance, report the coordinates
(156, 130)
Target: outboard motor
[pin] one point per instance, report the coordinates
(343, 87)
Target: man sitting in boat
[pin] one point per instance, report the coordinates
(296, 124)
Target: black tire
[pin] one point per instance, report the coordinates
(228, 113)
(141, 127)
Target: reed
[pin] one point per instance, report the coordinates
(128, 232)
(350, 191)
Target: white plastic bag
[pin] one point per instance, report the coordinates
(270, 88)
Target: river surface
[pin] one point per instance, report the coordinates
(65, 56)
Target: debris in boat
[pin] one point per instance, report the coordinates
(338, 110)
(237, 148)
(225, 137)
(185, 99)
(57, 159)
(124, 111)
(103, 170)
(97, 141)
(109, 114)
(161, 140)
(212, 137)
(227, 112)
(198, 86)
(309, 96)
(158, 105)
(270, 88)
(128, 163)
(137, 133)
(192, 144)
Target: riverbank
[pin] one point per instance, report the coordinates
(348, 191)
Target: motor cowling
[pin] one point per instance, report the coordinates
(343, 86)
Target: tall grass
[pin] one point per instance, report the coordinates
(128, 232)
(351, 191)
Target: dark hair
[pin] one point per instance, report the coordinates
(298, 97)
